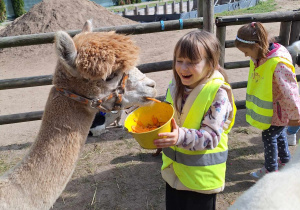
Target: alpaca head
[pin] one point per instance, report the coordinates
(96, 64)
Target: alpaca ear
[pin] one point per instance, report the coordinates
(88, 26)
(66, 51)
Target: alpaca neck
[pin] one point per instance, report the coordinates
(45, 171)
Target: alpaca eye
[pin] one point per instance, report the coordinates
(110, 77)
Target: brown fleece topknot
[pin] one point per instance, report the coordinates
(101, 53)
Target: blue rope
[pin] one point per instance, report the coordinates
(102, 113)
(181, 24)
(162, 24)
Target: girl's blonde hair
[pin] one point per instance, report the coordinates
(253, 32)
(197, 45)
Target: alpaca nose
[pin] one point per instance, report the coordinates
(151, 83)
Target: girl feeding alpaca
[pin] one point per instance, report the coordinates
(195, 151)
(272, 99)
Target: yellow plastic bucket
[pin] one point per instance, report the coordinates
(163, 111)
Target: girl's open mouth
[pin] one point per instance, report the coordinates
(187, 76)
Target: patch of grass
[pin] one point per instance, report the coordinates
(242, 130)
(130, 143)
(3, 167)
(261, 7)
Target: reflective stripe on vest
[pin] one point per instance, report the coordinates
(205, 169)
(259, 98)
(196, 160)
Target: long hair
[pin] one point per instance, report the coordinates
(197, 45)
(256, 32)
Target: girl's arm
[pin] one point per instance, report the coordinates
(209, 134)
(287, 91)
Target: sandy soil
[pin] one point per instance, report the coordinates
(113, 171)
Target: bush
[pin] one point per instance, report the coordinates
(18, 6)
(2, 11)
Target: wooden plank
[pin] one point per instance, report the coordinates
(145, 68)
(26, 82)
(236, 65)
(21, 117)
(142, 28)
(269, 17)
(37, 115)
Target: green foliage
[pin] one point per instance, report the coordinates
(3, 166)
(123, 2)
(2, 11)
(18, 6)
(261, 7)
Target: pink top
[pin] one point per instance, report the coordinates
(286, 101)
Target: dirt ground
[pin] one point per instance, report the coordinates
(114, 172)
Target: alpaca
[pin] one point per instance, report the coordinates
(95, 71)
(294, 50)
(276, 191)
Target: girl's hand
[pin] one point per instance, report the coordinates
(294, 122)
(168, 139)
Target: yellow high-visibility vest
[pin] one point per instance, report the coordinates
(205, 169)
(259, 98)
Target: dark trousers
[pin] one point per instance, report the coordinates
(275, 145)
(188, 200)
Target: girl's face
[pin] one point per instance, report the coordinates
(250, 52)
(190, 72)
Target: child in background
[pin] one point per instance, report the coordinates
(292, 130)
(272, 99)
(291, 135)
(195, 151)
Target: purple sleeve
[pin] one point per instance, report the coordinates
(209, 134)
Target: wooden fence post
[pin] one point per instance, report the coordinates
(284, 33)
(136, 11)
(147, 10)
(188, 5)
(208, 15)
(221, 35)
(173, 7)
(125, 11)
(295, 30)
(156, 9)
(166, 8)
(200, 4)
(181, 6)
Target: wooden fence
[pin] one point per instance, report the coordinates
(289, 32)
(161, 9)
